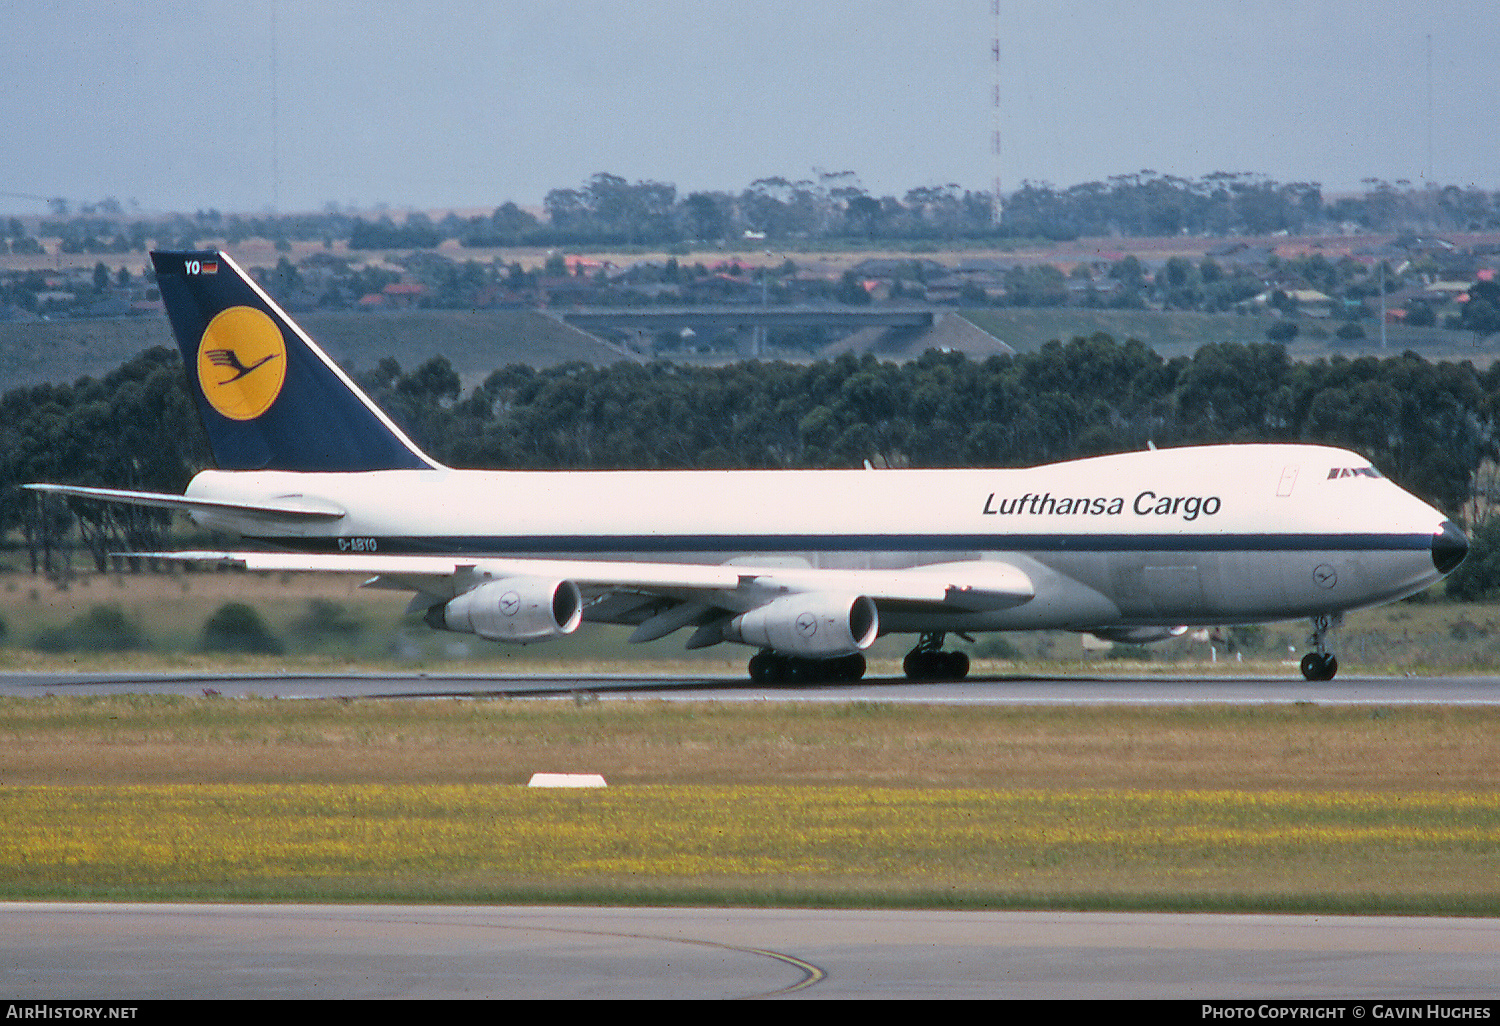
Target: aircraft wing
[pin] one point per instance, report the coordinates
(963, 586)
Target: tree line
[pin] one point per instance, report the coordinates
(1146, 203)
(134, 428)
(609, 210)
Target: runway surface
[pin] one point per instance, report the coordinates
(1154, 689)
(127, 952)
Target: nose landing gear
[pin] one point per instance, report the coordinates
(1321, 664)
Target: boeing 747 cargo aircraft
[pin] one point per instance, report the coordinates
(806, 566)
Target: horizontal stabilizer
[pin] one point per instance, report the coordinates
(294, 506)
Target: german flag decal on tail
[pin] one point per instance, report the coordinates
(269, 397)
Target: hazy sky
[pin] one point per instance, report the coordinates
(197, 104)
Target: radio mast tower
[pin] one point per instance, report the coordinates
(275, 119)
(997, 201)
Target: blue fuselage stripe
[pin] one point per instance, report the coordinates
(738, 543)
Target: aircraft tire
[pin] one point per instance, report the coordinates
(958, 665)
(773, 668)
(851, 668)
(924, 665)
(1319, 666)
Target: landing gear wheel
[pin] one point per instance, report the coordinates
(768, 667)
(958, 665)
(928, 661)
(915, 665)
(1319, 665)
(850, 668)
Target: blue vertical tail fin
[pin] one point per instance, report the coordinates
(269, 397)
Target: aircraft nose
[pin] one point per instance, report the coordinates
(1449, 547)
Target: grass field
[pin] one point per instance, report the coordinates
(774, 845)
(1176, 333)
(1214, 808)
(477, 342)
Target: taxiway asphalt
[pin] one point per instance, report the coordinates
(1347, 689)
(125, 952)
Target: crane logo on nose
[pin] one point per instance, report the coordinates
(241, 363)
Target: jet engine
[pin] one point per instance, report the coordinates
(810, 623)
(518, 609)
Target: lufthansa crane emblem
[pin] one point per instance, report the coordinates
(241, 363)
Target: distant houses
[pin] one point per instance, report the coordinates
(1425, 279)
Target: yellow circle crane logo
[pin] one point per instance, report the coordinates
(241, 363)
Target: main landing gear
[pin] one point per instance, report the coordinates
(928, 661)
(1320, 664)
(768, 667)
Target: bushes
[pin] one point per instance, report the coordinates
(104, 628)
(996, 646)
(237, 627)
(326, 621)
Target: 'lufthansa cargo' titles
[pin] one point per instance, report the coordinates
(1147, 503)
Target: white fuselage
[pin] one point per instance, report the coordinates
(1220, 534)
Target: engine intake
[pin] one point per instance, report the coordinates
(812, 623)
(515, 609)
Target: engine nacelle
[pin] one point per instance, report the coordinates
(1137, 635)
(811, 623)
(518, 609)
